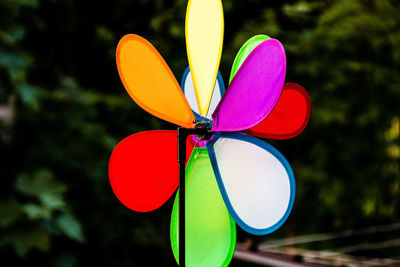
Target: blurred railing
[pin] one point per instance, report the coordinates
(283, 252)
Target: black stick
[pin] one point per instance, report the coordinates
(183, 133)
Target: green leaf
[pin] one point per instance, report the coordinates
(12, 35)
(70, 226)
(42, 186)
(29, 3)
(104, 35)
(34, 211)
(25, 240)
(10, 211)
(28, 95)
(12, 60)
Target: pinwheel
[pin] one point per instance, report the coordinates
(230, 176)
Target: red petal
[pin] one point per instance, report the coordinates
(289, 117)
(143, 169)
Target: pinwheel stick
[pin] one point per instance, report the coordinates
(202, 132)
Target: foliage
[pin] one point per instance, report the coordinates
(63, 109)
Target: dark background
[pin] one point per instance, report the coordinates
(63, 109)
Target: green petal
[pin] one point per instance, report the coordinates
(210, 230)
(244, 51)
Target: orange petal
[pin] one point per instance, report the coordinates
(150, 82)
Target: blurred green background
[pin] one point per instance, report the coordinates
(63, 109)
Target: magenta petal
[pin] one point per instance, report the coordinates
(255, 89)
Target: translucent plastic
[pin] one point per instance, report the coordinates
(255, 180)
(210, 230)
(150, 82)
(204, 31)
(254, 90)
(289, 117)
(143, 169)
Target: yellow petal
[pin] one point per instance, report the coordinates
(204, 38)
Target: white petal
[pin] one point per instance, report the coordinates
(188, 89)
(255, 180)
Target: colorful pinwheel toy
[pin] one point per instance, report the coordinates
(234, 177)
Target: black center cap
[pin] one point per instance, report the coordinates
(206, 134)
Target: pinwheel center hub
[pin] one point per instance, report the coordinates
(204, 133)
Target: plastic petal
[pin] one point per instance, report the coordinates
(289, 117)
(244, 51)
(190, 94)
(255, 180)
(149, 81)
(210, 230)
(204, 30)
(143, 169)
(254, 90)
